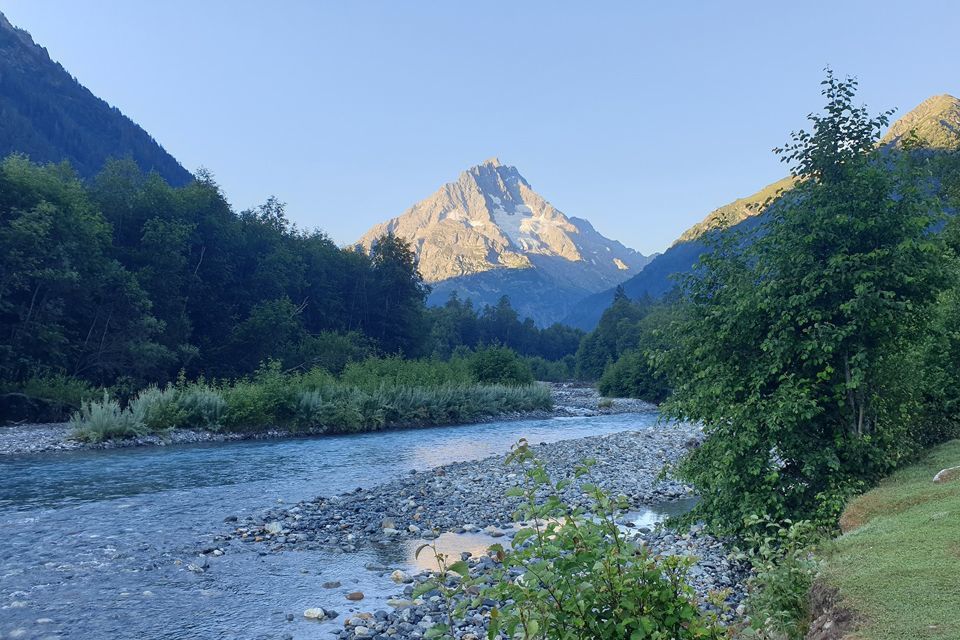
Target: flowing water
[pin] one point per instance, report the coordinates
(94, 544)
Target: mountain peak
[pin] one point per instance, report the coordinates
(491, 220)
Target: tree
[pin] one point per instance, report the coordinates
(786, 348)
(615, 333)
(395, 317)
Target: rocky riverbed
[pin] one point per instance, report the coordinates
(470, 498)
(713, 577)
(568, 399)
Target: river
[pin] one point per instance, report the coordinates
(95, 543)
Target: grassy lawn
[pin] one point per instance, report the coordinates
(898, 564)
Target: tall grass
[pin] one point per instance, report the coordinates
(371, 395)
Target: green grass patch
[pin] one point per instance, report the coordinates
(898, 564)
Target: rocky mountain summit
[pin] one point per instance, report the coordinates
(477, 234)
(934, 123)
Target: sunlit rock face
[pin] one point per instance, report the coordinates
(491, 220)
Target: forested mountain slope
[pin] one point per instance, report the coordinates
(48, 115)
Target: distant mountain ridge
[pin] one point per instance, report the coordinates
(934, 123)
(48, 115)
(489, 234)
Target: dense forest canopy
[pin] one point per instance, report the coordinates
(125, 277)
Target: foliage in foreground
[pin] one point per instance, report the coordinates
(573, 575)
(781, 555)
(370, 396)
(792, 346)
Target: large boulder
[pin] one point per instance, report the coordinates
(947, 475)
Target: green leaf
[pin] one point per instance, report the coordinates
(424, 587)
(436, 631)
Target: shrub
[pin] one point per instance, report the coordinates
(499, 365)
(101, 420)
(372, 395)
(269, 399)
(203, 406)
(161, 408)
(330, 351)
(631, 376)
(783, 569)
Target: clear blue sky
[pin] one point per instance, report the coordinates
(639, 116)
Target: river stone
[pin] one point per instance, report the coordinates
(315, 613)
(399, 604)
(355, 596)
(947, 475)
(399, 576)
(273, 527)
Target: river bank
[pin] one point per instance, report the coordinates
(463, 507)
(893, 572)
(569, 400)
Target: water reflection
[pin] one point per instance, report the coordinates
(452, 545)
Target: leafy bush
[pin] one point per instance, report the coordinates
(330, 351)
(499, 365)
(574, 574)
(344, 409)
(101, 420)
(161, 408)
(631, 376)
(783, 569)
(203, 406)
(269, 399)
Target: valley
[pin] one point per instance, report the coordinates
(483, 417)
